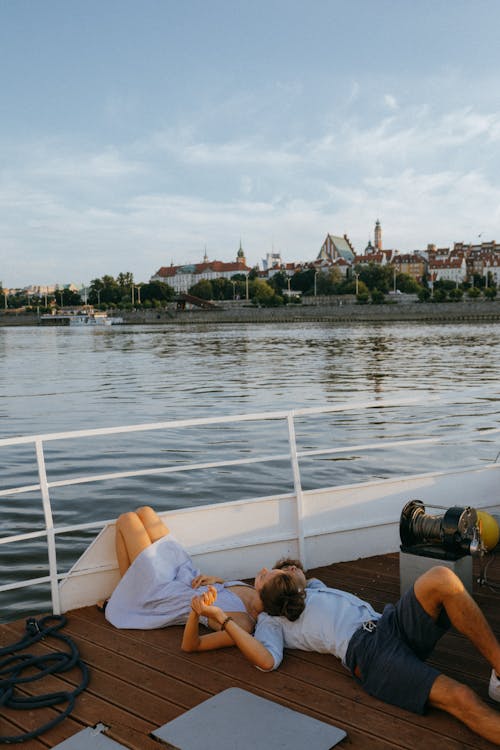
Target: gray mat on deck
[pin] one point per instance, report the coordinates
(90, 739)
(238, 720)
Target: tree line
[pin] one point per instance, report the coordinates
(370, 282)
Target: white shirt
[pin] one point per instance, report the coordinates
(326, 625)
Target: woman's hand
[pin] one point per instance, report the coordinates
(203, 580)
(203, 604)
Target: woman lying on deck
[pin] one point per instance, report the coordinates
(158, 578)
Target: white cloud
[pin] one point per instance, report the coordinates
(391, 101)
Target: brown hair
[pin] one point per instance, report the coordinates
(282, 596)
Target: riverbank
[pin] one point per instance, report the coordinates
(320, 311)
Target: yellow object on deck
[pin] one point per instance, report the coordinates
(488, 527)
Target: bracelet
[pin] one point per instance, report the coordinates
(223, 624)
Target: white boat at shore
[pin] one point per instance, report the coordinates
(322, 526)
(85, 318)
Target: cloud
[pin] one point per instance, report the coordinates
(76, 214)
(391, 102)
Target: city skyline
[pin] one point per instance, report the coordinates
(136, 135)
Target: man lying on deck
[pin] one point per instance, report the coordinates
(385, 653)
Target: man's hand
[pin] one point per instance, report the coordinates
(203, 580)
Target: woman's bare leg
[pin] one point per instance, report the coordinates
(152, 522)
(131, 539)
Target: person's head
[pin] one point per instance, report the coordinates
(282, 589)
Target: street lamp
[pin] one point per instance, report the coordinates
(394, 280)
(315, 276)
(356, 276)
(234, 288)
(246, 287)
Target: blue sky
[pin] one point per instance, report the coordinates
(136, 133)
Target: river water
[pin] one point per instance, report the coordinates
(61, 379)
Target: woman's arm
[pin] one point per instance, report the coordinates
(254, 651)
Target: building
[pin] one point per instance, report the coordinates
(412, 264)
(451, 269)
(336, 247)
(182, 278)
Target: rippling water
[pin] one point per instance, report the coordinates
(58, 379)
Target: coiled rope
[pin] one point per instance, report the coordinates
(14, 668)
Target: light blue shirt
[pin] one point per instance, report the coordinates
(326, 625)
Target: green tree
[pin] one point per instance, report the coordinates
(473, 292)
(440, 295)
(156, 290)
(261, 293)
(456, 295)
(329, 281)
(202, 289)
(424, 294)
(378, 297)
(490, 293)
(376, 276)
(278, 281)
(407, 284)
(222, 288)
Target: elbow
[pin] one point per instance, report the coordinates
(266, 664)
(188, 648)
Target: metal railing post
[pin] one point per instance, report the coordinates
(49, 527)
(299, 507)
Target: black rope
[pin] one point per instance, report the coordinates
(15, 665)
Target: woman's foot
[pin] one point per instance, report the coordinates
(102, 604)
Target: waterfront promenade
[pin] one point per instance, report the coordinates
(313, 310)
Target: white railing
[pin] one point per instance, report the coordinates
(44, 486)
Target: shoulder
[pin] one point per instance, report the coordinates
(315, 583)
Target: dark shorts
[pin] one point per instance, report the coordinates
(391, 658)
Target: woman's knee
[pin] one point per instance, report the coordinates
(128, 522)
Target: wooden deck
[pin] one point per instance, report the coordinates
(141, 679)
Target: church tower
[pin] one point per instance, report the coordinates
(240, 256)
(378, 236)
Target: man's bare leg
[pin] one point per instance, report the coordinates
(439, 587)
(463, 703)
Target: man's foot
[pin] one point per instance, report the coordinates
(494, 688)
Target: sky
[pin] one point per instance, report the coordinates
(139, 133)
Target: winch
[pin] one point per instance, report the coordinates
(451, 535)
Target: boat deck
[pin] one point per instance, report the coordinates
(141, 679)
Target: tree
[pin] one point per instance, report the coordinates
(375, 276)
(439, 295)
(490, 293)
(278, 281)
(202, 289)
(105, 291)
(156, 290)
(262, 293)
(424, 294)
(407, 284)
(378, 297)
(456, 295)
(473, 292)
(222, 289)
